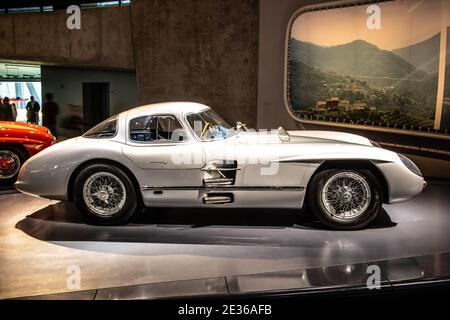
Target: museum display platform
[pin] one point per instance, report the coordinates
(166, 253)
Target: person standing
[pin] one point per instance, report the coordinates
(33, 109)
(50, 111)
(6, 111)
(14, 111)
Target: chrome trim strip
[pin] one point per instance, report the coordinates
(380, 161)
(317, 161)
(235, 188)
(320, 161)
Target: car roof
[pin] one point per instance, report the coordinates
(177, 108)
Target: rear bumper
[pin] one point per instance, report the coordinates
(30, 190)
(24, 188)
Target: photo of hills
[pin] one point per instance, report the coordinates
(367, 76)
(358, 58)
(419, 54)
(384, 85)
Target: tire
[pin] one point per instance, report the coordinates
(105, 195)
(342, 207)
(11, 160)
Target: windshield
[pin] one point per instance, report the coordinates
(208, 125)
(106, 129)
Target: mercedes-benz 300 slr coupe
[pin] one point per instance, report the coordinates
(185, 155)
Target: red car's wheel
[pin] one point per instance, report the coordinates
(11, 159)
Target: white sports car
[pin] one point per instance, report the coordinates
(185, 155)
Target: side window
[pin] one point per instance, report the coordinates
(162, 128)
(105, 129)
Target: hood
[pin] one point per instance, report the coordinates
(298, 137)
(21, 126)
(331, 136)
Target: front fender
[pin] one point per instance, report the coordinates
(402, 183)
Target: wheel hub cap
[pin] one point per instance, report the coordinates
(103, 195)
(346, 196)
(9, 164)
(6, 164)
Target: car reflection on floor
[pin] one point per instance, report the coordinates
(253, 227)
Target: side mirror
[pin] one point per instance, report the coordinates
(283, 134)
(241, 126)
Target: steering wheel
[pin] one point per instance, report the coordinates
(207, 124)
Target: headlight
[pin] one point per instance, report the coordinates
(410, 165)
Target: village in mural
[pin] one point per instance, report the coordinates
(360, 82)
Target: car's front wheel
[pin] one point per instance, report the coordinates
(11, 159)
(345, 199)
(105, 195)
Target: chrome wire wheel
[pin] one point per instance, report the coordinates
(104, 194)
(9, 164)
(346, 195)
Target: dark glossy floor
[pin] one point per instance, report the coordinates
(421, 276)
(39, 239)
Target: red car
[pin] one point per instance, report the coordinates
(18, 142)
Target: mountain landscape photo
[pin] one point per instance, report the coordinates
(419, 54)
(358, 81)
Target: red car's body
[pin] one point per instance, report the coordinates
(33, 137)
(18, 142)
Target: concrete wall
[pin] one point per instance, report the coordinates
(198, 50)
(67, 86)
(103, 41)
(274, 18)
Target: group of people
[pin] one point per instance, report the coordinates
(50, 110)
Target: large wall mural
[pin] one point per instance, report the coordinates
(378, 63)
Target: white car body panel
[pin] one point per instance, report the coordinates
(163, 181)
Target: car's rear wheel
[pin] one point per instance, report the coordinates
(11, 159)
(345, 199)
(105, 195)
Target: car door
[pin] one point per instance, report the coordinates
(164, 151)
(244, 171)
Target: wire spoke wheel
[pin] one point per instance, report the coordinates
(104, 194)
(346, 195)
(9, 164)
